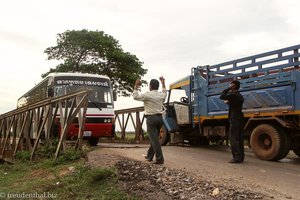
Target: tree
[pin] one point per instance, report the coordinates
(97, 53)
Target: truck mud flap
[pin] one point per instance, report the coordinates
(170, 124)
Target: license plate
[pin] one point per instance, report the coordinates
(87, 133)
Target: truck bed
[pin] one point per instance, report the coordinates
(270, 82)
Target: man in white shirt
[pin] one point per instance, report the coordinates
(153, 105)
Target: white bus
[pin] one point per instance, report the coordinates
(100, 112)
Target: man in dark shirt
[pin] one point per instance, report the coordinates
(235, 101)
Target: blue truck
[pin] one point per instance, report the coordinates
(270, 85)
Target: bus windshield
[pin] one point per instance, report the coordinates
(101, 91)
(98, 94)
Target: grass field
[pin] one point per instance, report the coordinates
(66, 178)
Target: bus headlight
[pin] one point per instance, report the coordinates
(107, 120)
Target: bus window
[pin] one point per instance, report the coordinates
(50, 92)
(100, 95)
(60, 91)
(107, 97)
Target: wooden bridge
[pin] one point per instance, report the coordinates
(30, 126)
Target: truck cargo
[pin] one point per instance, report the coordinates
(270, 85)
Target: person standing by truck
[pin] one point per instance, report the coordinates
(153, 105)
(235, 100)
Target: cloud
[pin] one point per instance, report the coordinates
(169, 36)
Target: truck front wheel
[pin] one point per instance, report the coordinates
(164, 136)
(269, 142)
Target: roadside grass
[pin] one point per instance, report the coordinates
(65, 178)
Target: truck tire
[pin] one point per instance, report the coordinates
(297, 151)
(269, 142)
(284, 146)
(164, 136)
(93, 141)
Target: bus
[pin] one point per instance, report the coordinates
(100, 110)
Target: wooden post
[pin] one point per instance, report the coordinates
(138, 125)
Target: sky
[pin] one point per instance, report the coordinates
(168, 36)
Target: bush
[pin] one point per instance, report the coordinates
(69, 155)
(23, 156)
(47, 151)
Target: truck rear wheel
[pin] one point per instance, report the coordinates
(285, 145)
(297, 151)
(269, 142)
(164, 136)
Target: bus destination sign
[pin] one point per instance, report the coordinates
(82, 81)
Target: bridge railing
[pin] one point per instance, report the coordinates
(28, 127)
(135, 116)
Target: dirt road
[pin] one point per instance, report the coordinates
(280, 180)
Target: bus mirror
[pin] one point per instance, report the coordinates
(115, 95)
(50, 92)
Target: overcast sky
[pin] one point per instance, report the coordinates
(169, 36)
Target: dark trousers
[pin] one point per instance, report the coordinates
(236, 138)
(154, 123)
